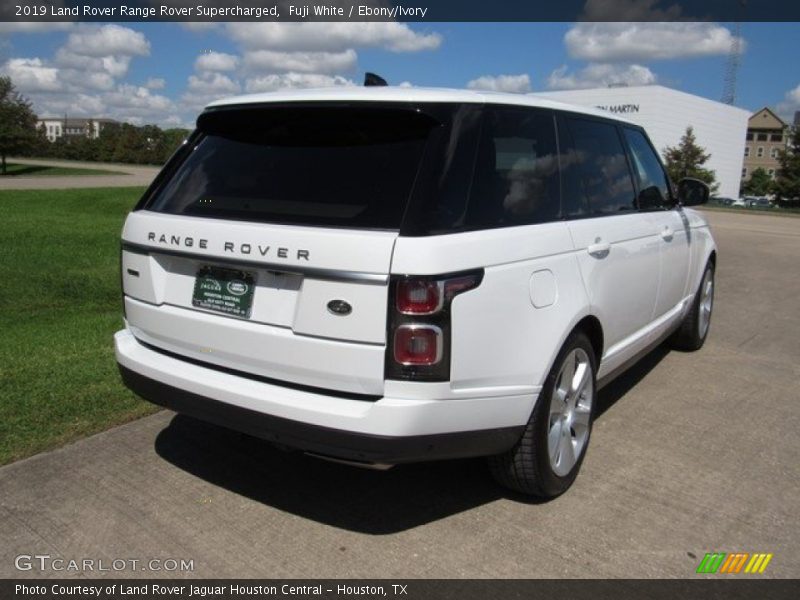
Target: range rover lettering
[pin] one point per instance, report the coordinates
(382, 275)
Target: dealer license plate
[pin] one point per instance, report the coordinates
(227, 291)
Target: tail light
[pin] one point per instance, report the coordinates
(418, 345)
(419, 296)
(418, 341)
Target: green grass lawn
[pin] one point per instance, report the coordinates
(20, 170)
(59, 306)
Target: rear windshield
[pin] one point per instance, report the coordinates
(329, 166)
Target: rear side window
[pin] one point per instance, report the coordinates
(601, 166)
(329, 166)
(653, 185)
(516, 179)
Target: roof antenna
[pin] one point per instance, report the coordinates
(370, 79)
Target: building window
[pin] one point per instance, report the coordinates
(749, 136)
(773, 153)
(747, 151)
(776, 137)
(744, 172)
(760, 152)
(761, 137)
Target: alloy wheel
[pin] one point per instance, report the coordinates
(570, 412)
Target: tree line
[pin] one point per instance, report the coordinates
(117, 142)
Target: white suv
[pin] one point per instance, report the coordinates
(385, 275)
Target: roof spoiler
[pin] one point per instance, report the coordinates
(371, 79)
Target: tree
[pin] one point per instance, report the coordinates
(18, 130)
(759, 184)
(172, 140)
(787, 182)
(687, 160)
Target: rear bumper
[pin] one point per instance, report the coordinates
(386, 431)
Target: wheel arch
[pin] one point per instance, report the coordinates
(712, 258)
(590, 325)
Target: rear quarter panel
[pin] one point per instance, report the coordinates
(500, 339)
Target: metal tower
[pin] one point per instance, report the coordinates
(734, 59)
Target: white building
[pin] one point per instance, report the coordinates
(665, 113)
(55, 127)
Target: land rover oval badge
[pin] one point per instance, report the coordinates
(339, 307)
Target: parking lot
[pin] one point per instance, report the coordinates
(691, 453)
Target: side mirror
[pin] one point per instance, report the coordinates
(692, 192)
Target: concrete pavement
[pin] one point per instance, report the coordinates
(691, 453)
(129, 175)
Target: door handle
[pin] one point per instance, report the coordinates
(667, 234)
(599, 249)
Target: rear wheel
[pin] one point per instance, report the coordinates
(693, 331)
(547, 458)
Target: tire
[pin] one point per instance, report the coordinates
(530, 467)
(692, 333)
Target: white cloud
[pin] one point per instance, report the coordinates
(277, 56)
(155, 83)
(331, 37)
(600, 75)
(107, 40)
(211, 84)
(301, 62)
(517, 84)
(138, 101)
(80, 72)
(129, 103)
(95, 57)
(31, 75)
(216, 61)
(83, 78)
(632, 42)
(206, 87)
(87, 74)
(70, 105)
(295, 55)
(789, 105)
(271, 83)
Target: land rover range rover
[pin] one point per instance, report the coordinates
(386, 275)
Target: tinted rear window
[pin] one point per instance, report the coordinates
(329, 166)
(516, 170)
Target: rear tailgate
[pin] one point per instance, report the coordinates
(265, 245)
(290, 331)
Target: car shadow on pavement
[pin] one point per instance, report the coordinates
(367, 501)
(362, 500)
(623, 384)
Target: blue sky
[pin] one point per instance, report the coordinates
(165, 72)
